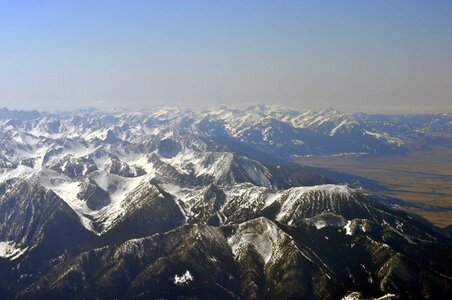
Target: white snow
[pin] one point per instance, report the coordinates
(294, 195)
(335, 129)
(387, 296)
(319, 224)
(348, 228)
(21, 171)
(9, 249)
(183, 279)
(352, 296)
(359, 296)
(297, 142)
(68, 190)
(215, 164)
(263, 234)
(384, 136)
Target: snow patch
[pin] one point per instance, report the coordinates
(117, 187)
(21, 171)
(348, 228)
(293, 195)
(262, 234)
(183, 279)
(319, 224)
(9, 249)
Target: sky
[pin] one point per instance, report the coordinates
(369, 56)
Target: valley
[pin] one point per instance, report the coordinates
(418, 177)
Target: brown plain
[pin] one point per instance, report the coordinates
(421, 176)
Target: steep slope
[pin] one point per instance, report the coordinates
(38, 229)
(28, 213)
(257, 258)
(162, 266)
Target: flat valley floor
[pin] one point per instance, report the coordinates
(421, 177)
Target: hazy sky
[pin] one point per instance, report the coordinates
(353, 55)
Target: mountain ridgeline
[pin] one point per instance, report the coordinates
(200, 204)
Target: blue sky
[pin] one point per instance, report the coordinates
(354, 55)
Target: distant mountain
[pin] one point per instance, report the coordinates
(285, 133)
(18, 114)
(177, 204)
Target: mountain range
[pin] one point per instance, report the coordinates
(176, 203)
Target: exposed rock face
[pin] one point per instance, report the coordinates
(168, 148)
(75, 167)
(258, 258)
(5, 163)
(117, 167)
(95, 196)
